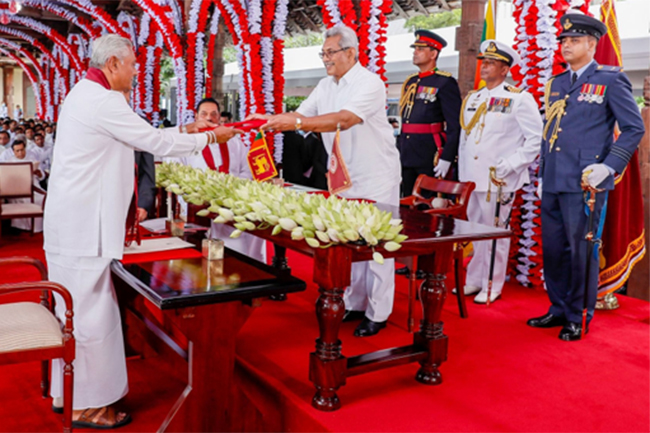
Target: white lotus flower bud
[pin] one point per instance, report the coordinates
(203, 213)
(378, 258)
(392, 246)
(312, 242)
(227, 214)
(239, 218)
(333, 235)
(351, 235)
(318, 222)
(395, 222)
(276, 230)
(236, 234)
(219, 220)
(297, 234)
(400, 238)
(322, 236)
(287, 224)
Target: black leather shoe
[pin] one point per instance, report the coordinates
(546, 321)
(402, 271)
(368, 328)
(572, 331)
(352, 315)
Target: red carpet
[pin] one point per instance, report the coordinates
(501, 375)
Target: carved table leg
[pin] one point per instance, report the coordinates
(327, 366)
(432, 296)
(280, 262)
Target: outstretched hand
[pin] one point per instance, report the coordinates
(193, 128)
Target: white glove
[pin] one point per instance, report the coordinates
(504, 168)
(539, 188)
(441, 168)
(599, 172)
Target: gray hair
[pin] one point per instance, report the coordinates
(348, 36)
(108, 46)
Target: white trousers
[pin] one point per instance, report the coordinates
(100, 375)
(478, 270)
(26, 223)
(372, 286)
(246, 244)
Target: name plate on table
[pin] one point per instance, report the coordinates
(196, 281)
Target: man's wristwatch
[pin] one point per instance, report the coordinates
(298, 123)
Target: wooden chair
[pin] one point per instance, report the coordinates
(30, 331)
(460, 193)
(17, 181)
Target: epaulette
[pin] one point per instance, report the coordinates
(513, 89)
(607, 68)
(443, 73)
(566, 71)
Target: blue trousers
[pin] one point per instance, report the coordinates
(564, 226)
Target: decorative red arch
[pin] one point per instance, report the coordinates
(30, 75)
(51, 34)
(46, 52)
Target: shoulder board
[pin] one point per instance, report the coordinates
(513, 89)
(606, 68)
(561, 73)
(471, 92)
(443, 73)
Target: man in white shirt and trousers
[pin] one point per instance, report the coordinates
(355, 99)
(230, 158)
(502, 128)
(91, 186)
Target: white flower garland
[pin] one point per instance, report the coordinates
(127, 22)
(280, 19)
(266, 50)
(279, 28)
(332, 7)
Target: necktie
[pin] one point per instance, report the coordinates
(574, 78)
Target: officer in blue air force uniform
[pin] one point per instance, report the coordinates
(430, 107)
(582, 106)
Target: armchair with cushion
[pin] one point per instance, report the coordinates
(17, 181)
(30, 331)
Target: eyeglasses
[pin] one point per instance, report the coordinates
(329, 54)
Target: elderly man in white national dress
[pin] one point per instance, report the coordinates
(354, 99)
(90, 189)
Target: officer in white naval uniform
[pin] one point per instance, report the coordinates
(502, 128)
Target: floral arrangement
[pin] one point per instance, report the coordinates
(249, 205)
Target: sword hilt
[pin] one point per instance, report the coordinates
(500, 183)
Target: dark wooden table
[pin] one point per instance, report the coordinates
(431, 239)
(195, 308)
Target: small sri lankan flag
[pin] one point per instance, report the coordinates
(338, 178)
(260, 160)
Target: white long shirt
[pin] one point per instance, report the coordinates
(237, 157)
(513, 131)
(92, 177)
(368, 148)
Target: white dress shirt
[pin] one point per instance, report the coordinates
(513, 133)
(368, 148)
(92, 177)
